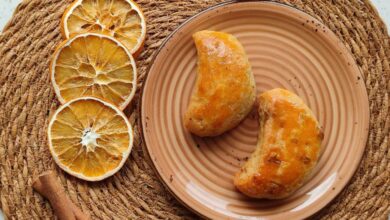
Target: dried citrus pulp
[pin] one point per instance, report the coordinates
(94, 65)
(121, 19)
(90, 138)
(94, 76)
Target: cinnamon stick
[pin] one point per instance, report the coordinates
(48, 186)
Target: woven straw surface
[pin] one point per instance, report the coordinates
(27, 100)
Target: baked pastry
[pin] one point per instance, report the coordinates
(288, 147)
(225, 88)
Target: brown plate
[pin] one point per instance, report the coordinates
(287, 48)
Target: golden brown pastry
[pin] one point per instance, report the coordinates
(224, 90)
(288, 147)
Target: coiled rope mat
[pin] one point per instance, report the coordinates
(27, 100)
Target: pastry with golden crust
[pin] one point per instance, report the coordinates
(288, 147)
(225, 88)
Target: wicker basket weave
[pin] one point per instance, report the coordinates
(27, 100)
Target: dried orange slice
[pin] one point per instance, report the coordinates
(121, 19)
(94, 65)
(90, 138)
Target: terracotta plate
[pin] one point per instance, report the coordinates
(287, 48)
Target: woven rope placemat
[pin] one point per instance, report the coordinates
(27, 100)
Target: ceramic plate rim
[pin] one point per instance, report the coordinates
(329, 34)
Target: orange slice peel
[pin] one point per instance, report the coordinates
(94, 65)
(121, 19)
(89, 138)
